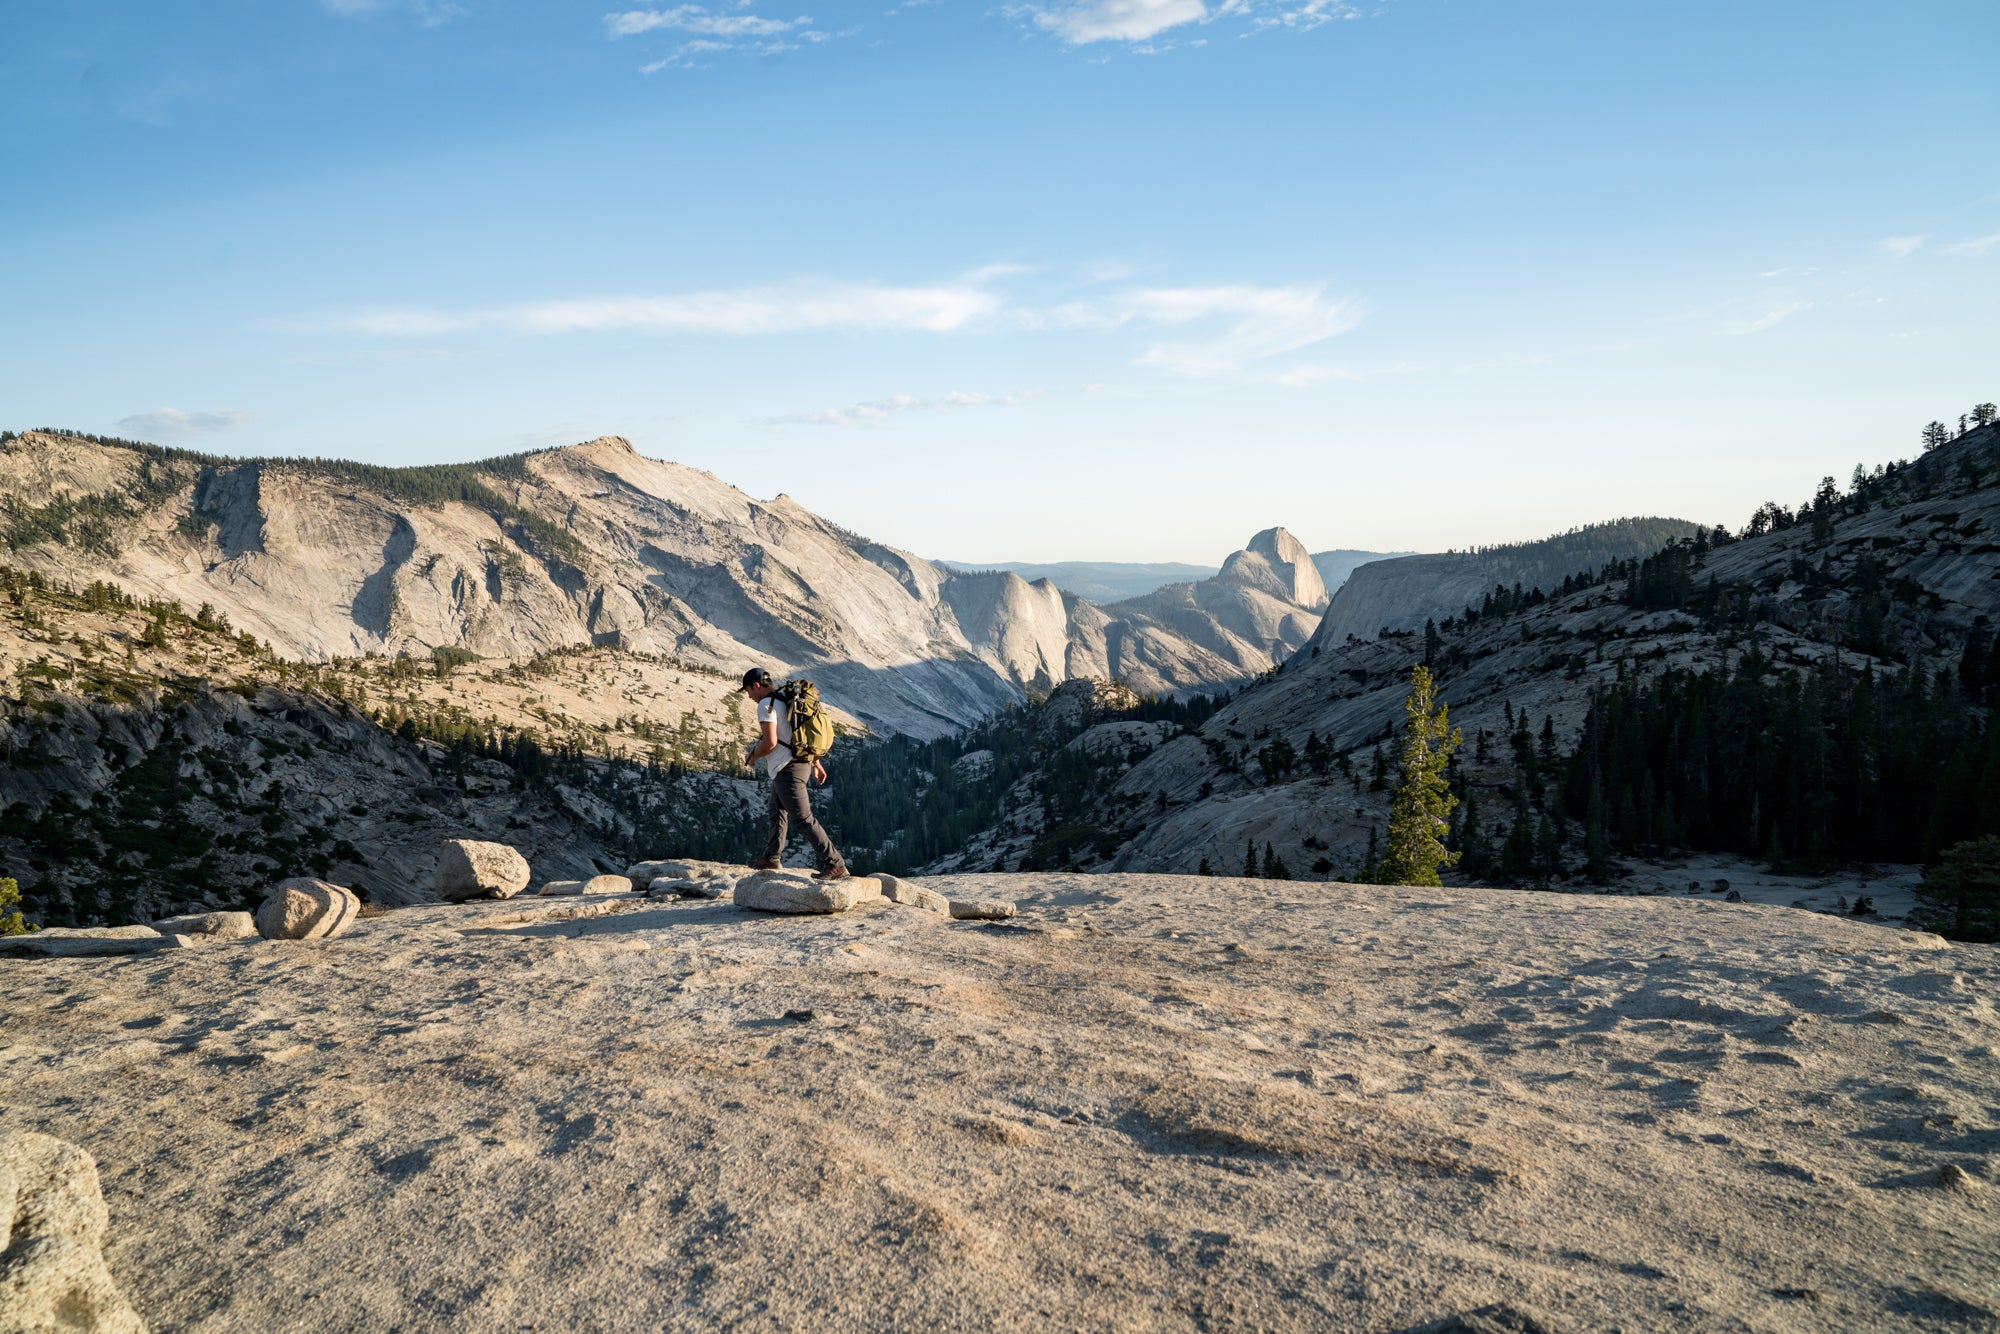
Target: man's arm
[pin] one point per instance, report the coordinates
(765, 746)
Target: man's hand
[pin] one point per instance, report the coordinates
(819, 773)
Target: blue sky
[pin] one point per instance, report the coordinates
(1056, 279)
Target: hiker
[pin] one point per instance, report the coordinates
(789, 771)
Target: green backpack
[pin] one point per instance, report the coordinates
(812, 726)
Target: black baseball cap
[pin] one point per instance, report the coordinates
(756, 676)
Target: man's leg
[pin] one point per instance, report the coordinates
(774, 847)
(792, 789)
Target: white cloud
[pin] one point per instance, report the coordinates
(1302, 17)
(1255, 322)
(1116, 20)
(1216, 329)
(876, 412)
(696, 19)
(430, 13)
(178, 422)
(1773, 316)
(1081, 22)
(1899, 246)
(1978, 245)
(746, 311)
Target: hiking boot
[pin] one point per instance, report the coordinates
(831, 873)
(766, 864)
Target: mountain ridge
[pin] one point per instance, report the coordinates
(588, 544)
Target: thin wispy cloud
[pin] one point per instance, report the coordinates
(1902, 246)
(1771, 318)
(1307, 377)
(695, 19)
(878, 411)
(178, 422)
(430, 13)
(1246, 323)
(1138, 22)
(799, 308)
(711, 32)
(1196, 331)
(1978, 245)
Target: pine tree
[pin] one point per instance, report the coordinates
(1420, 810)
(1250, 859)
(1204, 868)
(1937, 433)
(1274, 865)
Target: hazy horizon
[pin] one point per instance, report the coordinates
(1071, 280)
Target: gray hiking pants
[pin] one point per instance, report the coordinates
(789, 802)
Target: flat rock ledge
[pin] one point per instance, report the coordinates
(798, 892)
(470, 869)
(58, 942)
(52, 1225)
(597, 884)
(683, 868)
(710, 887)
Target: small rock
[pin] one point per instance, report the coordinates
(556, 889)
(1733, 896)
(52, 1226)
(802, 1016)
(713, 887)
(911, 894)
(59, 942)
(306, 909)
(981, 910)
(220, 925)
(797, 892)
(470, 869)
(1952, 1177)
(1498, 1318)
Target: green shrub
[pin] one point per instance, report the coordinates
(11, 922)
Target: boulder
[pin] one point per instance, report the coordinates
(913, 895)
(981, 910)
(798, 892)
(714, 887)
(52, 1226)
(469, 869)
(597, 884)
(306, 909)
(219, 925)
(59, 942)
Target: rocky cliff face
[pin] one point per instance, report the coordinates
(1403, 592)
(1905, 573)
(594, 544)
(1260, 608)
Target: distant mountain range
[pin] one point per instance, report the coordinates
(595, 545)
(1118, 581)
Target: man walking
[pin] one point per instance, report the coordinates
(789, 776)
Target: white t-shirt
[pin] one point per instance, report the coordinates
(771, 709)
